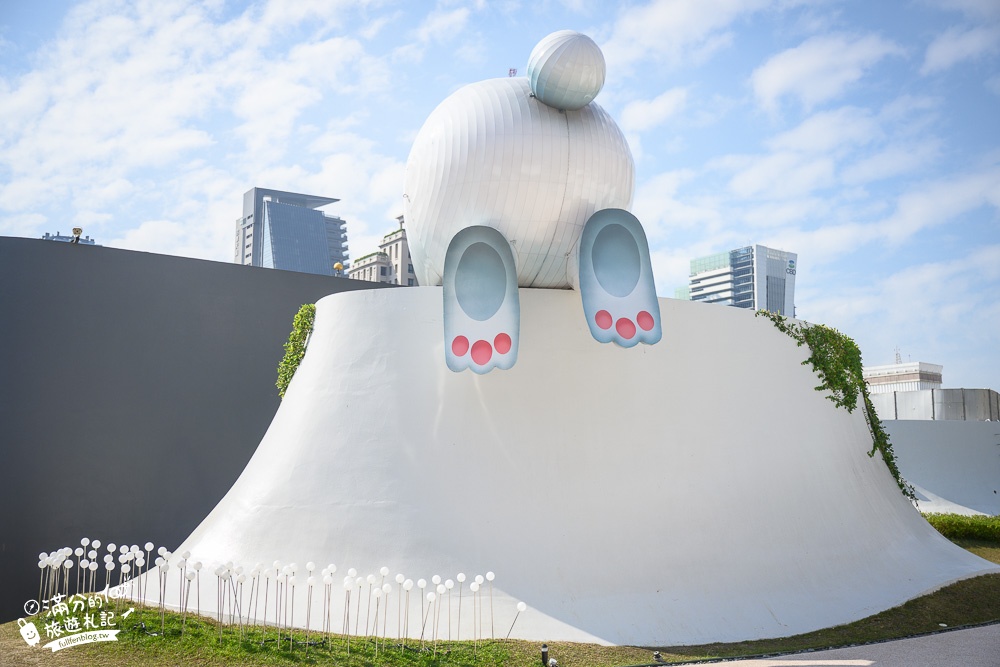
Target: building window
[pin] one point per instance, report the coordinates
(381, 270)
(409, 282)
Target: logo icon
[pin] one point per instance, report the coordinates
(29, 632)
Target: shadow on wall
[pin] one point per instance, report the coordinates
(135, 389)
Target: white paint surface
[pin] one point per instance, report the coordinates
(695, 490)
(954, 465)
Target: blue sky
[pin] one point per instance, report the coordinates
(863, 136)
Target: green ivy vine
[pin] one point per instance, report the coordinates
(295, 348)
(836, 359)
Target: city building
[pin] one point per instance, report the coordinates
(390, 264)
(912, 390)
(86, 240)
(909, 376)
(374, 267)
(284, 230)
(753, 277)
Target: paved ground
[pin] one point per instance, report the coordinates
(975, 647)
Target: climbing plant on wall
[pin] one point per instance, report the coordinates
(295, 348)
(836, 359)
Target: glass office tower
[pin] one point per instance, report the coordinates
(283, 230)
(754, 277)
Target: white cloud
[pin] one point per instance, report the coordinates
(472, 51)
(25, 224)
(674, 30)
(905, 106)
(147, 122)
(376, 25)
(386, 187)
(958, 45)
(442, 25)
(784, 174)
(104, 192)
(828, 131)
(642, 115)
(370, 184)
(934, 203)
(281, 13)
(661, 210)
(276, 93)
(21, 103)
(783, 213)
(200, 204)
(18, 194)
(819, 69)
(892, 161)
(166, 234)
(672, 268)
(114, 92)
(940, 312)
(940, 202)
(828, 242)
(85, 218)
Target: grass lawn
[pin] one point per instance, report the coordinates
(967, 602)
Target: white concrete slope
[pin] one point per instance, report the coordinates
(953, 465)
(696, 490)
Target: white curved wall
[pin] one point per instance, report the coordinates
(954, 465)
(691, 491)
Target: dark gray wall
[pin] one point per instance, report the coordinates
(133, 389)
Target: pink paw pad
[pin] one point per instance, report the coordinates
(625, 328)
(502, 343)
(482, 352)
(460, 346)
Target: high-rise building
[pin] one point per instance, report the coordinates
(284, 230)
(754, 277)
(390, 264)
